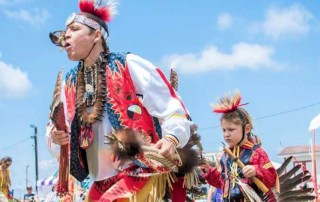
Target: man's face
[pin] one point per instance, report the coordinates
(79, 41)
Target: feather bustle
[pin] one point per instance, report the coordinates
(295, 193)
(287, 175)
(291, 183)
(284, 165)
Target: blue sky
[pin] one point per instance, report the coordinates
(267, 49)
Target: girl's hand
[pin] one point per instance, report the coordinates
(249, 171)
(204, 168)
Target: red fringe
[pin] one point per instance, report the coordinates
(63, 182)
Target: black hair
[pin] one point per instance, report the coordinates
(6, 159)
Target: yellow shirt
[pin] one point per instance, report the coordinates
(4, 181)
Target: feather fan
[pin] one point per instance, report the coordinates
(58, 119)
(249, 192)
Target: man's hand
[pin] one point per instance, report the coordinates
(60, 137)
(166, 148)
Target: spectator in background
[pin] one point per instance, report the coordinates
(29, 196)
(5, 180)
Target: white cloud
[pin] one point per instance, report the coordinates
(243, 55)
(281, 22)
(48, 164)
(38, 17)
(13, 82)
(224, 21)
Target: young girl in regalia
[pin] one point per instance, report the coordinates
(236, 182)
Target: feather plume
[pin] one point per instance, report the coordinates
(204, 161)
(250, 193)
(295, 193)
(297, 178)
(228, 103)
(104, 9)
(194, 140)
(284, 165)
(283, 178)
(174, 79)
(298, 198)
(57, 91)
(125, 143)
(57, 109)
(189, 158)
(197, 191)
(297, 181)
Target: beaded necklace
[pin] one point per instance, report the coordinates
(91, 91)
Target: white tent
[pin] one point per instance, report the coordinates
(315, 123)
(51, 180)
(45, 186)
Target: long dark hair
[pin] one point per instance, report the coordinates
(5, 159)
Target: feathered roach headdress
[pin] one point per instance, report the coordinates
(103, 9)
(228, 103)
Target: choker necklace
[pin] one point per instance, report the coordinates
(91, 81)
(91, 91)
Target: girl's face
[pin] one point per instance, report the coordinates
(79, 41)
(232, 133)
